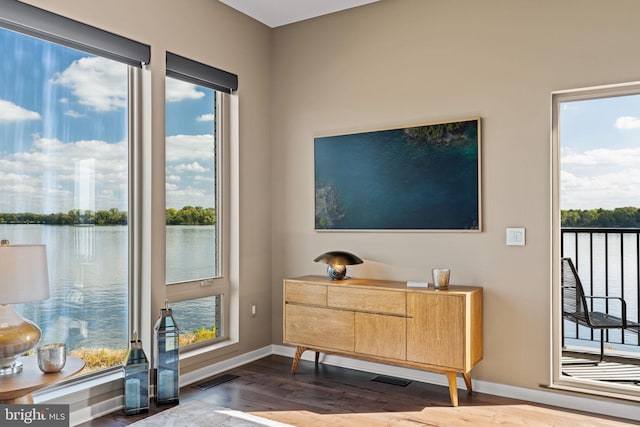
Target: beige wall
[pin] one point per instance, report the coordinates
(400, 62)
(210, 32)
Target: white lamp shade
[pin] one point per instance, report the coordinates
(24, 276)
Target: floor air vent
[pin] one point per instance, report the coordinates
(215, 381)
(391, 380)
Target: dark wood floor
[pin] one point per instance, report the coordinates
(331, 396)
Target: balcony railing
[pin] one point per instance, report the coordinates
(608, 263)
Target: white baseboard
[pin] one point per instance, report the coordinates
(97, 410)
(609, 407)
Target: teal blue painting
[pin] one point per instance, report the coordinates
(415, 178)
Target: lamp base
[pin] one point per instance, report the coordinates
(17, 336)
(13, 369)
(337, 272)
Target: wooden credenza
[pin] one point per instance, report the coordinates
(385, 321)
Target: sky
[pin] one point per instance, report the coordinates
(63, 132)
(600, 153)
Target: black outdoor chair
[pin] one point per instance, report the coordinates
(576, 309)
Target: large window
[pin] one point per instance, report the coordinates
(65, 156)
(64, 183)
(195, 209)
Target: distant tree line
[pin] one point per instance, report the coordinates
(627, 217)
(187, 215)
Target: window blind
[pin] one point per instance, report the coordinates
(49, 26)
(197, 73)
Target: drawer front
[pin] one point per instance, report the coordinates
(305, 293)
(319, 327)
(369, 300)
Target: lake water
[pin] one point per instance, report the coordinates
(88, 273)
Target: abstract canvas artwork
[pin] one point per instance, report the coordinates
(423, 177)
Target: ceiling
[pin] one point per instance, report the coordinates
(275, 13)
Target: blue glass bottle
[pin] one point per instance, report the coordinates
(136, 379)
(166, 358)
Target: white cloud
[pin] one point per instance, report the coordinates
(44, 179)
(190, 193)
(98, 83)
(10, 112)
(179, 197)
(627, 122)
(74, 114)
(190, 167)
(207, 117)
(602, 157)
(608, 191)
(47, 176)
(601, 178)
(17, 182)
(177, 90)
(186, 148)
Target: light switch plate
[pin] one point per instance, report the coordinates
(515, 236)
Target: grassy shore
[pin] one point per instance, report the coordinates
(102, 358)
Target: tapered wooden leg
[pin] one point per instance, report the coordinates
(317, 357)
(453, 388)
(296, 358)
(467, 380)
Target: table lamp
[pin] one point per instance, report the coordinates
(338, 261)
(23, 278)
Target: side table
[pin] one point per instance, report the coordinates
(17, 388)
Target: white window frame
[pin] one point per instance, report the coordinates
(220, 285)
(557, 380)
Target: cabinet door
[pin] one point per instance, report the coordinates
(319, 327)
(436, 329)
(380, 335)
